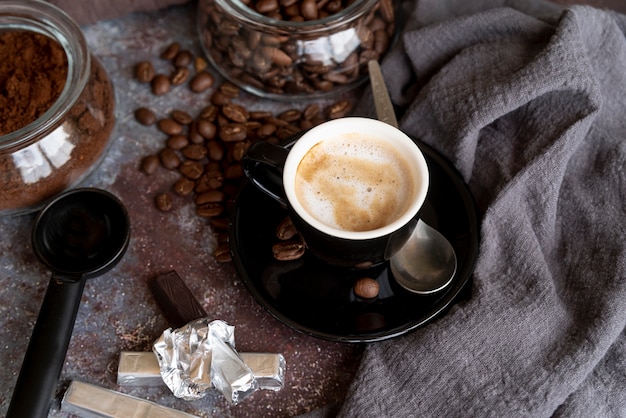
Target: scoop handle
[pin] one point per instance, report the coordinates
(45, 355)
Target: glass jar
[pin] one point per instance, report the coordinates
(282, 56)
(47, 152)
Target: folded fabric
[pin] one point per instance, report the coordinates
(84, 12)
(528, 100)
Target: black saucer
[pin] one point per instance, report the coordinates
(317, 299)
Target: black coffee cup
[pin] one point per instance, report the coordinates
(353, 187)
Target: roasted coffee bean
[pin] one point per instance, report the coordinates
(202, 81)
(163, 202)
(215, 150)
(182, 117)
(339, 109)
(200, 64)
(233, 132)
(309, 11)
(288, 250)
(207, 129)
(312, 110)
(144, 72)
(286, 229)
(183, 58)
(260, 114)
(220, 99)
(266, 6)
(171, 51)
(177, 142)
(209, 113)
(220, 224)
(239, 150)
(222, 253)
(149, 164)
(145, 116)
(184, 186)
(234, 171)
(235, 112)
(285, 132)
(169, 158)
(366, 288)
(229, 90)
(195, 151)
(266, 130)
(170, 126)
(160, 84)
(212, 196)
(211, 180)
(290, 115)
(193, 134)
(179, 76)
(210, 210)
(191, 169)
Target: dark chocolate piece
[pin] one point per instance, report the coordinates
(176, 300)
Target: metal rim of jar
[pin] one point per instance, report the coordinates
(245, 14)
(47, 19)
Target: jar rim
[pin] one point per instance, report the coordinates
(49, 20)
(244, 13)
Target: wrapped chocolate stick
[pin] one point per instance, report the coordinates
(191, 356)
(142, 369)
(229, 374)
(90, 401)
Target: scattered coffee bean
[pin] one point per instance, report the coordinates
(160, 84)
(195, 151)
(201, 81)
(177, 142)
(183, 58)
(366, 288)
(288, 250)
(184, 186)
(182, 117)
(170, 126)
(169, 158)
(191, 169)
(150, 164)
(222, 253)
(163, 202)
(145, 116)
(144, 72)
(171, 51)
(285, 229)
(179, 76)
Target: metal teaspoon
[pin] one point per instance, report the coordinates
(427, 262)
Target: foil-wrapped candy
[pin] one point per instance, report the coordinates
(200, 354)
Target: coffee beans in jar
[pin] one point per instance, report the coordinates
(289, 49)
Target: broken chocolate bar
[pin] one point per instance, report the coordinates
(176, 300)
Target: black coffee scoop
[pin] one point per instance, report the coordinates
(80, 234)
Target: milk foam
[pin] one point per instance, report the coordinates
(355, 183)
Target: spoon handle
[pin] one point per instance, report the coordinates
(45, 355)
(382, 102)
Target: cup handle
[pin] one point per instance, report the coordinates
(263, 165)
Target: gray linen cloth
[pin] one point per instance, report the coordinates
(528, 100)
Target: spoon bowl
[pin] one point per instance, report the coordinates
(427, 262)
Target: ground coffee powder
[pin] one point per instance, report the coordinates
(33, 69)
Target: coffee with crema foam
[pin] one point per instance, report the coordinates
(355, 183)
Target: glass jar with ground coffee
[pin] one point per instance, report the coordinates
(295, 49)
(56, 105)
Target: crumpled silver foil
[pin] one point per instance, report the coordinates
(200, 354)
